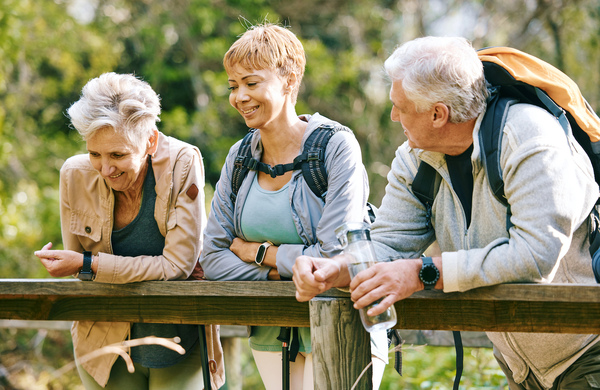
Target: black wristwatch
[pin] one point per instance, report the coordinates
(262, 252)
(86, 271)
(429, 273)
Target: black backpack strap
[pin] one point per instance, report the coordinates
(312, 159)
(492, 130)
(490, 141)
(424, 187)
(284, 337)
(242, 163)
(395, 339)
(554, 109)
(458, 347)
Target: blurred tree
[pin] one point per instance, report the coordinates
(48, 51)
(45, 58)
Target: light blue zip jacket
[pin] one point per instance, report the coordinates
(315, 219)
(550, 186)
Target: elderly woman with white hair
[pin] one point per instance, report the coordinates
(132, 209)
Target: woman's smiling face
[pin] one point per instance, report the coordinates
(117, 160)
(260, 96)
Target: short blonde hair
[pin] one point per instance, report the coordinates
(121, 102)
(271, 47)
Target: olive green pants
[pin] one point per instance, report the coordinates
(582, 375)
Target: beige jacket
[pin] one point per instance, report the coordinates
(86, 212)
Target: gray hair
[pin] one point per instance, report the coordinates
(121, 102)
(440, 70)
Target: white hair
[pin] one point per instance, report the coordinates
(121, 102)
(440, 70)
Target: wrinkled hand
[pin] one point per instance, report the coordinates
(313, 275)
(245, 250)
(391, 281)
(60, 262)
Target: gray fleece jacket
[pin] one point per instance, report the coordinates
(550, 186)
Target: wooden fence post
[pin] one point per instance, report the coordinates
(341, 347)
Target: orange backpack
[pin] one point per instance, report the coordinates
(517, 77)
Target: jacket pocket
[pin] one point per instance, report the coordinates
(87, 226)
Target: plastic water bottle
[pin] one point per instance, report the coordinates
(355, 238)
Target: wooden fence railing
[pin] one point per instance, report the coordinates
(341, 347)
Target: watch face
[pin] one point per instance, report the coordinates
(85, 276)
(429, 274)
(261, 253)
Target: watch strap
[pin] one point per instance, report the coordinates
(426, 260)
(429, 273)
(86, 271)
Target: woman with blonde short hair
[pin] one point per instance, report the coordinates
(276, 217)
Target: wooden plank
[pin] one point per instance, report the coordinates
(74, 287)
(346, 346)
(521, 292)
(499, 316)
(160, 309)
(510, 307)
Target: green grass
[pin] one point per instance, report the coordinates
(426, 367)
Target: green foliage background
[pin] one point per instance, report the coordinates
(49, 49)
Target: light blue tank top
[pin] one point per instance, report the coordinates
(267, 216)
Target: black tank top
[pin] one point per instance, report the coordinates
(142, 238)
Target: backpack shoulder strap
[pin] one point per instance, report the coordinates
(425, 186)
(242, 163)
(492, 129)
(424, 183)
(312, 159)
(490, 141)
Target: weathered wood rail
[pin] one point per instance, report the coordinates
(333, 321)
